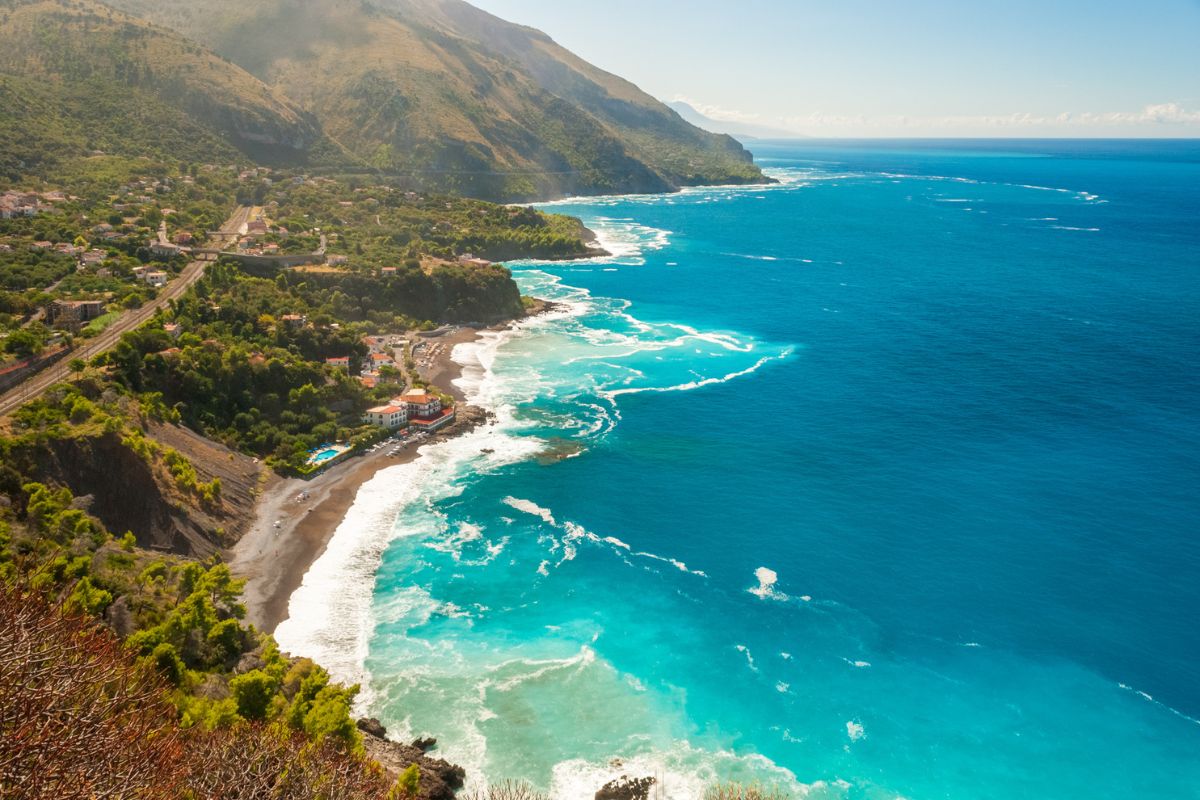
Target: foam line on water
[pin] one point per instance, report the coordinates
(692, 385)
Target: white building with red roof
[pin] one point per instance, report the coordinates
(392, 416)
(422, 404)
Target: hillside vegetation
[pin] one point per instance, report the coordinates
(77, 77)
(449, 97)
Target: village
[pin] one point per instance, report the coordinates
(416, 412)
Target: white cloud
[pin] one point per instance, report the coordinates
(718, 113)
(1157, 117)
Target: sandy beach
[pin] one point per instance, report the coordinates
(273, 560)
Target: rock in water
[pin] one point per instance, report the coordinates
(439, 779)
(373, 727)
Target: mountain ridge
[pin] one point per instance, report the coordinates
(738, 130)
(450, 97)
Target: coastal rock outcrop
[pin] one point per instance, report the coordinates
(439, 778)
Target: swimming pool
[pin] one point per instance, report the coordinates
(323, 455)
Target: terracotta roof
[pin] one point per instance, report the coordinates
(385, 410)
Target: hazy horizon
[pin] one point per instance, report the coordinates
(932, 69)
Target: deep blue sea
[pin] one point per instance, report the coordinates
(879, 482)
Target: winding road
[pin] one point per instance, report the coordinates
(34, 385)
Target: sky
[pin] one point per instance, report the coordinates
(899, 67)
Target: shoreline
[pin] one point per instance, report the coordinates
(274, 560)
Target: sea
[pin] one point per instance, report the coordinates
(879, 482)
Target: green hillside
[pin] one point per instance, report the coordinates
(448, 97)
(78, 77)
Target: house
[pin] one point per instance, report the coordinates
(469, 259)
(71, 314)
(339, 361)
(375, 343)
(378, 360)
(336, 261)
(173, 329)
(421, 404)
(155, 278)
(293, 320)
(183, 238)
(368, 381)
(93, 257)
(13, 206)
(257, 227)
(391, 416)
(387, 271)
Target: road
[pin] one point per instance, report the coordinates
(57, 372)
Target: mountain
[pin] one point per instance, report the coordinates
(739, 130)
(450, 97)
(77, 76)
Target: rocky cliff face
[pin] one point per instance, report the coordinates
(440, 780)
(127, 494)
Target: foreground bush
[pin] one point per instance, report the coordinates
(742, 791)
(81, 718)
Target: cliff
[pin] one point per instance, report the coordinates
(128, 492)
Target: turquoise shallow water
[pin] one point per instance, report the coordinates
(877, 483)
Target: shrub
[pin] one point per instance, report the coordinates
(253, 692)
(744, 791)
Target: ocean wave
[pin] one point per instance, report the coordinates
(692, 385)
(1150, 699)
(682, 771)
(573, 534)
(331, 616)
(1087, 197)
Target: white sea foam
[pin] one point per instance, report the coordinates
(741, 648)
(1150, 699)
(767, 578)
(692, 385)
(330, 617)
(682, 771)
(531, 508)
(855, 730)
